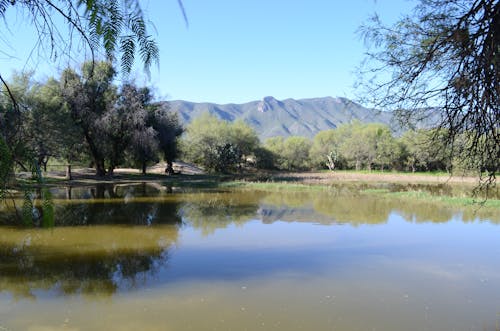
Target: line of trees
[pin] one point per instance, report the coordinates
(84, 117)
(222, 146)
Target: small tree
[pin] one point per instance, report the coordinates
(325, 149)
(168, 129)
(291, 153)
(207, 139)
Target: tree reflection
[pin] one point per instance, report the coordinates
(98, 258)
(109, 238)
(216, 210)
(91, 260)
(106, 203)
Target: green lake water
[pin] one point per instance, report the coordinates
(151, 257)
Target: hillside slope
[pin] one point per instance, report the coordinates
(271, 117)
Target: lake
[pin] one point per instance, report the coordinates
(156, 257)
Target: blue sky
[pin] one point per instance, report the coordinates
(241, 50)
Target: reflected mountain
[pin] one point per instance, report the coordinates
(109, 238)
(153, 203)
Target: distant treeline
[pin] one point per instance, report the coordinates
(224, 146)
(83, 117)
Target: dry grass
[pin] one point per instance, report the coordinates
(343, 176)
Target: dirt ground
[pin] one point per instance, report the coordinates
(340, 176)
(189, 171)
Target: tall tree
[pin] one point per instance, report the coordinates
(50, 129)
(137, 131)
(14, 110)
(443, 62)
(89, 94)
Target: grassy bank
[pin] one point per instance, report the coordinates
(437, 187)
(411, 192)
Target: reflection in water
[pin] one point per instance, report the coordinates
(246, 259)
(99, 259)
(108, 204)
(151, 203)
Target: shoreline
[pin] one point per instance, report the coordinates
(85, 176)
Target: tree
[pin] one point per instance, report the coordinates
(144, 146)
(118, 27)
(143, 137)
(89, 95)
(217, 144)
(418, 150)
(325, 149)
(14, 110)
(387, 150)
(291, 153)
(296, 151)
(352, 146)
(51, 131)
(121, 123)
(443, 65)
(169, 129)
(244, 138)
(45, 128)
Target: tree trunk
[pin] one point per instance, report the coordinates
(68, 192)
(41, 161)
(68, 172)
(100, 171)
(99, 191)
(169, 170)
(358, 165)
(169, 189)
(111, 170)
(143, 168)
(330, 164)
(98, 160)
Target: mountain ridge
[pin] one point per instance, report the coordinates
(272, 117)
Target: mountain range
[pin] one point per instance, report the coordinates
(271, 117)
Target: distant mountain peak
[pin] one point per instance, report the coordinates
(267, 104)
(271, 117)
(269, 98)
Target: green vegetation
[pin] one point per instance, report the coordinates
(218, 145)
(371, 147)
(424, 195)
(221, 146)
(29, 126)
(441, 63)
(83, 117)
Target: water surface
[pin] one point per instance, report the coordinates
(148, 257)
